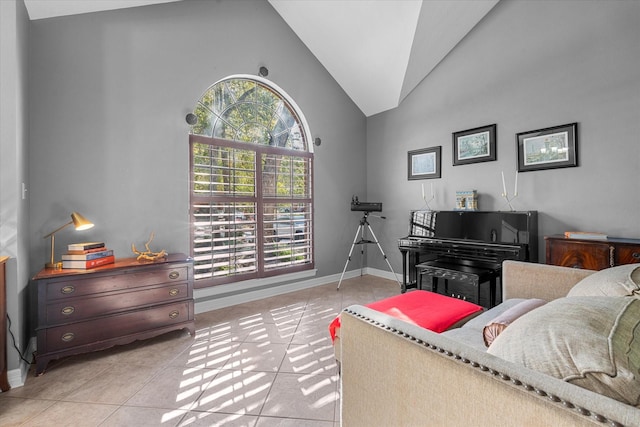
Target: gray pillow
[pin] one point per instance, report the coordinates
(592, 342)
(623, 280)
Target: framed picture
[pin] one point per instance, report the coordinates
(550, 148)
(425, 163)
(474, 145)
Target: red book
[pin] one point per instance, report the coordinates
(84, 265)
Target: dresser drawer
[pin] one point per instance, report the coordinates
(579, 254)
(92, 284)
(627, 254)
(116, 326)
(76, 309)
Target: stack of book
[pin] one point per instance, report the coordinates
(591, 235)
(87, 255)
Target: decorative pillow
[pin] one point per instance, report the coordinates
(623, 280)
(592, 342)
(497, 325)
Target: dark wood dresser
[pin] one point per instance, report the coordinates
(87, 310)
(591, 254)
(4, 382)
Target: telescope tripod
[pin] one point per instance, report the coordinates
(361, 231)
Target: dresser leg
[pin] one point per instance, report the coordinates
(4, 382)
(41, 365)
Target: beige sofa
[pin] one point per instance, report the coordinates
(397, 374)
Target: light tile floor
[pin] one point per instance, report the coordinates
(262, 364)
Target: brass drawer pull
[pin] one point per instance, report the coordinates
(68, 337)
(636, 255)
(174, 314)
(612, 259)
(174, 275)
(173, 292)
(69, 289)
(67, 310)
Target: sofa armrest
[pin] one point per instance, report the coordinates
(530, 280)
(397, 374)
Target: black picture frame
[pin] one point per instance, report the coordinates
(424, 163)
(475, 145)
(548, 148)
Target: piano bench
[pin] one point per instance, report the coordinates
(462, 273)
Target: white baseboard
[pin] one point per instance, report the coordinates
(383, 273)
(17, 377)
(214, 303)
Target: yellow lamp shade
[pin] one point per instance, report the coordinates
(80, 222)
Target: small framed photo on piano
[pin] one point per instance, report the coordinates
(424, 163)
(474, 145)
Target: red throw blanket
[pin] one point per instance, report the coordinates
(422, 308)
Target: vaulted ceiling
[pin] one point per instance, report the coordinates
(377, 50)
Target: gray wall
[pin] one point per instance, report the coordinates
(109, 93)
(14, 135)
(527, 65)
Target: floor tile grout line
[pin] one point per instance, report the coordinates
(264, 402)
(311, 307)
(156, 375)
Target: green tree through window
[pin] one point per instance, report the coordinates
(251, 203)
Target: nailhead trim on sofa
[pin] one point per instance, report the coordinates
(567, 404)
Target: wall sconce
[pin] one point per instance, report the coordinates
(79, 222)
(191, 119)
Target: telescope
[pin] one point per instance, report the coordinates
(366, 207)
(357, 205)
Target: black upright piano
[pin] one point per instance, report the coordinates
(467, 241)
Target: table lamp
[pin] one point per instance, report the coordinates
(79, 222)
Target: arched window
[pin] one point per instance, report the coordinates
(251, 203)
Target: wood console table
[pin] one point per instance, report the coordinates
(4, 381)
(591, 254)
(87, 310)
